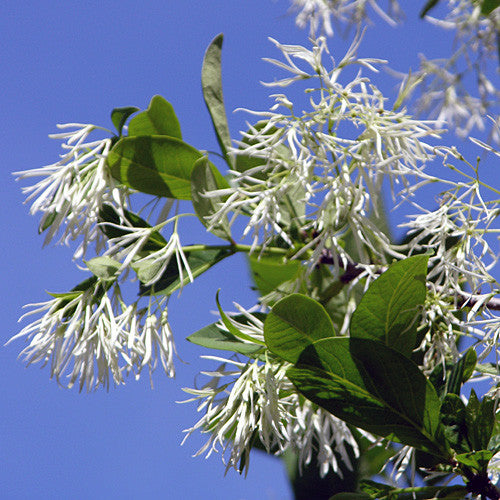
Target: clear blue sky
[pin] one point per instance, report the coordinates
(68, 61)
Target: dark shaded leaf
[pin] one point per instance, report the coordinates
(427, 7)
(199, 261)
(454, 427)
(462, 371)
(371, 386)
(480, 420)
(109, 214)
(119, 117)
(488, 6)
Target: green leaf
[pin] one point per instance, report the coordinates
(211, 82)
(270, 272)
(47, 222)
(203, 180)
(476, 459)
(351, 496)
(199, 261)
(158, 119)
(385, 492)
(480, 420)
(388, 310)
(462, 371)
(454, 428)
(488, 6)
(488, 368)
(119, 117)
(105, 268)
(294, 323)
(76, 291)
(213, 337)
(427, 7)
(157, 165)
(108, 214)
(371, 386)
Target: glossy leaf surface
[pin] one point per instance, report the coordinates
(294, 323)
(372, 387)
(156, 165)
(390, 307)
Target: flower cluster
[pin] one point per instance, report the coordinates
(93, 337)
(318, 13)
(74, 189)
(330, 162)
(255, 403)
(444, 83)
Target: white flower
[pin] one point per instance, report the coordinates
(74, 189)
(150, 265)
(331, 160)
(94, 338)
(318, 13)
(259, 402)
(445, 88)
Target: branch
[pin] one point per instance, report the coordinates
(353, 270)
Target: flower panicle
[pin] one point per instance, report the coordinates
(92, 338)
(74, 189)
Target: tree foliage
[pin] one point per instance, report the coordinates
(357, 358)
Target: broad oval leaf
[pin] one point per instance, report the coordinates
(211, 82)
(373, 387)
(158, 119)
(202, 181)
(157, 165)
(389, 309)
(294, 323)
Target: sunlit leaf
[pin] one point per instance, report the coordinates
(119, 117)
(158, 119)
(211, 82)
(270, 272)
(156, 165)
(105, 268)
(390, 307)
(213, 337)
(294, 323)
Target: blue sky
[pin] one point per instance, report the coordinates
(73, 62)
